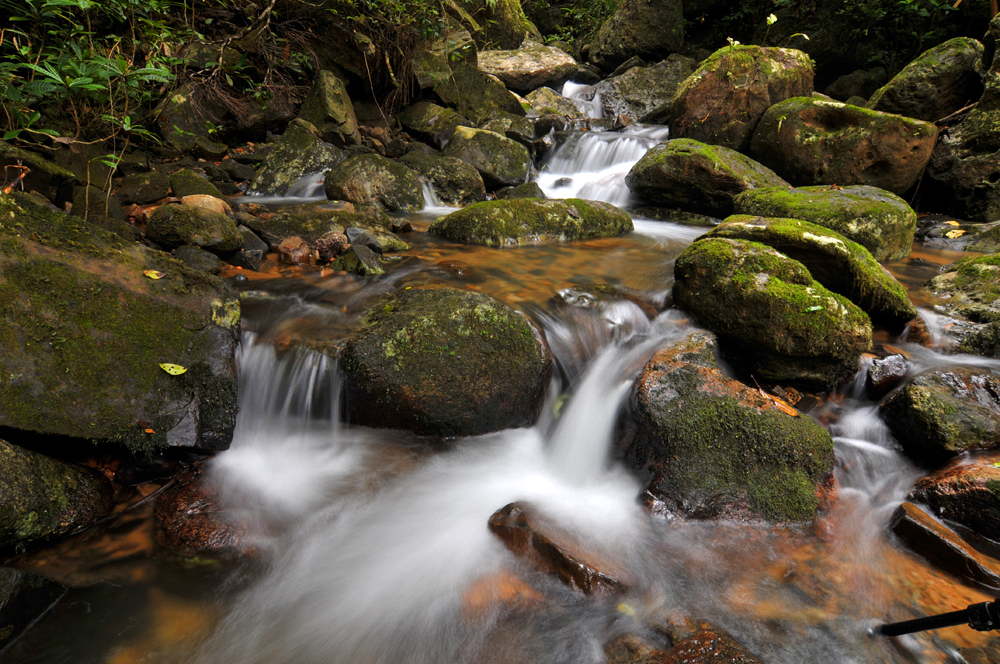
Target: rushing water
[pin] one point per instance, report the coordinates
(373, 546)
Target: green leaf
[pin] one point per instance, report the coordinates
(173, 369)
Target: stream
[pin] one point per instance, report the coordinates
(372, 546)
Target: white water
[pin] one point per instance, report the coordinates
(584, 96)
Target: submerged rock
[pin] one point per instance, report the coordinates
(526, 221)
(456, 183)
(371, 179)
(972, 287)
(708, 646)
(300, 151)
(651, 30)
(773, 319)
(716, 448)
(967, 491)
(529, 67)
(879, 221)
(444, 362)
(501, 161)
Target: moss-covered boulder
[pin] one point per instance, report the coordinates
(188, 182)
(42, 498)
(444, 362)
(944, 412)
(879, 221)
(716, 448)
(527, 221)
(722, 101)
(646, 94)
(697, 177)
(432, 123)
(651, 30)
(313, 221)
(39, 174)
(371, 179)
(501, 161)
(174, 225)
(143, 188)
(476, 94)
(982, 340)
(455, 182)
(986, 239)
(328, 108)
(300, 151)
(938, 83)
(772, 318)
(529, 67)
(811, 141)
(184, 120)
(843, 266)
(84, 332)
(966, 491)
(515, 127)
(546, 101)
(972, 288)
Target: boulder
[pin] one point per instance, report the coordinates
(966, 491)
(24, 598)
(939, 82)
(810, 141)
(722, 101)
(52, 181)
(716, 448)
(651, 30)
(528, 221)
(300, 151)
(646, 94)
(371, 179)
(444, 362)
(982, 340)
(328, 108)
(526, 190)
(971, 287)
(697, 177)
(143, 188)
(174, 225)
(185, 118)
(359, 260)
(531, 66)
(432, 123)
(773, 319)
(515, 127)
(314, 221)
(841, 265)
(455, 182)
(42, 499)
(879, 221)
(945, 411)
(187, 182)
(501, 161)
(85, 331)
(476, 94)
(859, 83)
(546, 101)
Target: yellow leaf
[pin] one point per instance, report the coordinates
(954, 234)
(952, 222)
(154, 274)
(173, 369)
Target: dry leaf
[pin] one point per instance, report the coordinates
(954, 234)
(154, 274)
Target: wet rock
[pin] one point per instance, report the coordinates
(250, 240)
(972, 288)
(192, 528)
(294, 251)
(724, 99)
(247, 260)
(141, 188)
(239, 172)
(312, 221)
(330, 245)
(811, 141)
(843, 266)
(879, 221)
(982, 340)
(176, 225)
(47, 178)
(102, 210)
(85, 331)
(527, 535)
(529, 67)
(359, 260)
(546, 101)
(371, 179)
(651, 30)
(966, 491)
(884, 374)
(187, 182)
(694, 176)
(526, 221)
(300, 151)
(943, 412)
(526, 190)
(861, 83)
(432, 123)
(42, 499)
(716, 448)
(501, 161)
(925, 536)
(455, 183)
(182, 120)
(646, 94)
(24, 597)
(328, 108)
(198, 259)
(708, 646)
(776, 321)
(515, 127)
(444, 362)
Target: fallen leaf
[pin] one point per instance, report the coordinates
(148, 431)
(954, 234)
(173, 369)
(952, 222)
(154, 274)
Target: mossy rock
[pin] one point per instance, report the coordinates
(143, 188)
(944, 412)
(987, 240)
(187, 182)
(811, 141)
(475, 94)
(198, 259)
(982, 340)
(697, 177)
(723, 100)
(773, 319)
(432, 61)
(371, 179)
(878, 220)
(526, 190)
(939, 82)
(47, 178)
(651, 30)
(444, 362)
(529, 67)
(717, 448)
(432, 123)
(328, 108)
(102, 210)
(646, 94)
(42, 499)
(455, 182)
(966, 491)
(546, 101)
(83, 332)
(496, 23)
(311, 221)
(973, 288)
(501, 161)
(843, 266)
(527, 221)
(515, 127)
(175, 225)
(300, 151)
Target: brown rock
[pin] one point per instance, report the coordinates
(190, 525)
(207, 202)
(331, 245)
(294, 250)
(966, 491)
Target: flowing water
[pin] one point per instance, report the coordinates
(372, 545)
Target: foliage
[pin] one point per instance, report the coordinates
(578, 20)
